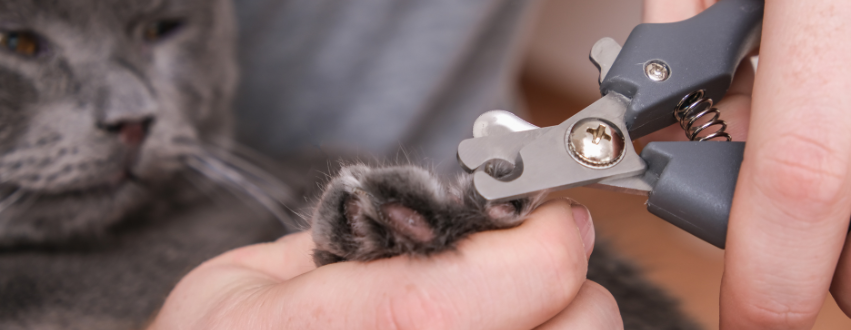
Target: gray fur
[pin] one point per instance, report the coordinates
(121, 281)
(95, 231)
(351, 221)
(96, 71)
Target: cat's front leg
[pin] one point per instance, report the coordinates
(367, 213)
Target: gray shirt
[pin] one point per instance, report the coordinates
(374, 75)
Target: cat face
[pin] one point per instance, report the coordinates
(100, 101)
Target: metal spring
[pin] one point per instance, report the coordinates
(692, 108)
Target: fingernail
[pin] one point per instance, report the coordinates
(582, 217)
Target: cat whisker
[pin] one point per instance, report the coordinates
(245, 180)
(207, 187)
(11, 199)
(275, 186)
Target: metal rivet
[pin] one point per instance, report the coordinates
(657, 71)
(595, 143)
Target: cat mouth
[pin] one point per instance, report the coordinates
(123, 178)
(125, 175)
(110, 186)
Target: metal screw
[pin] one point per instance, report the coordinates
(657, 71)
(595, 143)
(598, 134)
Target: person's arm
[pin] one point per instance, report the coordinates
(791, 209)
(521, 278)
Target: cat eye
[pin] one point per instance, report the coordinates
(158, 30)
(20, 42)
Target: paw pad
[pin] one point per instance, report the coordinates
(408, 222)
(370, 213)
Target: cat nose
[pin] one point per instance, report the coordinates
(130, 132)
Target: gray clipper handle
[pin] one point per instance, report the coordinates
(693, 184)
(701, 53)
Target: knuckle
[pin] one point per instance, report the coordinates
(776, 299)
(779, 316)
(804, 174)
(414, 308)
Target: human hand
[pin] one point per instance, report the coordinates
(522, 278)
(791, 209)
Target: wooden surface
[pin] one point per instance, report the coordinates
(689, 268)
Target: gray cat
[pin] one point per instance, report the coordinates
(84, 84)
(111, 184)
(116, 176)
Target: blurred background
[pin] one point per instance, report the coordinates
(556, 81)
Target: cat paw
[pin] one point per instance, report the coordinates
(368, 213)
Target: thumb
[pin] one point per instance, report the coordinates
(506, 279)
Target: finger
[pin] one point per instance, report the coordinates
(507, 279)
(593, 308)
(288, 257)
(791, 207)
(585, 225)
(840, 288)
(222, 282)
(666, 11)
